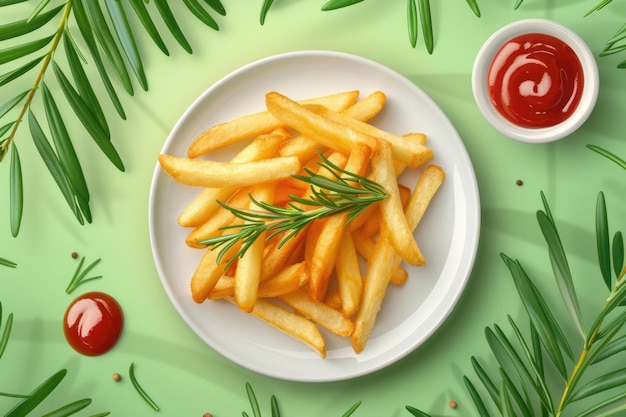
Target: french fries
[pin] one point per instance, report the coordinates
(332, 273)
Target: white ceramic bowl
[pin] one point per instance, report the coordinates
(543, 134)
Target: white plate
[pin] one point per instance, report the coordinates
(448, 234)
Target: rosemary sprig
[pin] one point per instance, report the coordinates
(6, 262)
(344, 192)
(80, 274)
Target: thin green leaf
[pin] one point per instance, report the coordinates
(53, 164)
(612, 50)
(265, 8)
(107, 42)
(491, 388)
(618, 252)
(254, 404)
(478, 401)
(65, 151)
(18, 72)
(69, 409)
(83, 85)
(338, 4)
(614, 347)
(139, 388)
(597, 7)
(617, 296)
(602, 240)
(172, 24)
(9, 2)
(127, 40)
(196, 8)
(88, 119)
(79, 275)
(104, 414)
(609, 155)
(412, 22)
(515, 395)
(14, 52)
(415, 412)
(274, 406)
(37, 396)
(6, 333)
(505, 398)
(518, 3)
(22, 27)
(548, 329)
(352, 409)
(622, 64)
(427, 24)
(87, 32)
(16, 191)
(473, 4)
(602, 383)
(217, 6)
(609, 407)
(142, 13)
(561, 270)
(6, 107)
(10, 264)
(38, 9)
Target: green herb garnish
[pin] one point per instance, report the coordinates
(6, 262)
(79, 276)
(345, 192)
(140, 390)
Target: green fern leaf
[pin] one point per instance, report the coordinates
(18, 72)
(15, 52)
(22, 27)
(197, 9)
(172, 24)
(142, 13)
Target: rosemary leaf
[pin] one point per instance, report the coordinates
(518, 3)
(127, 40)
(598, 6)
(609, 407)
(22, 27)
(515, 395)
(491, 388)
(338, 4)
(217, 6)
(105, 38)
(618, 252)
(609, 155)
(600, 384)
(352, 409)
(478, 401)
(65, 151)
(69, 409)
(602, 240)
(196, 8)
(140, 390)
(83, 85)
(254, 404)
(38, 9)
(14, 52)
(614, 347)
(9, 2)
(265, 8)
(87, 32)
(415, 412)
(274, 405)
(10, 264)
(473, 4)
(79, 275)
(16, 192)
(54, 165)
(6, 333)
(412, 21)
(6, 107)
(142, 13)
(172, 24)
(427, 24)
(19, 71)
(37, 396)
(88, 119)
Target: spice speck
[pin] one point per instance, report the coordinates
(519, 182)
(452, 404)
(74, 255)
(117, 377)
(207, 415)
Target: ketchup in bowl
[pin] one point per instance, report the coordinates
(535, 80)
(93, 323)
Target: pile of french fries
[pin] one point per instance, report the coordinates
(331, 274)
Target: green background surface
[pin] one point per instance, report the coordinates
(182, 374)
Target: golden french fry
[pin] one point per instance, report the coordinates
(208, 272)
(349, 279)
(213, 174)
(409, 152)
(319, 313)
(205, 204)
(429, 182)
(291, 278)
(366, 245)
(367, 108)
(400, 234)
(248, 273)
(255, 124)
(291, 324)
(330, 134)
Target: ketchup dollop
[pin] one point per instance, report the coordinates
(535, 80)
(93, 323)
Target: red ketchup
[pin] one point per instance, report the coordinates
(535, 80)
(93, 323)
